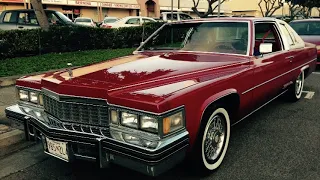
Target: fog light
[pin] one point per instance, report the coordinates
(132, 139)
(116, 135)
(150, 144)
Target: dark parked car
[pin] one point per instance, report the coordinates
(309, 30)
(26, 19)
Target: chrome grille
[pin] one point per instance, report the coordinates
(77, 112)
(94, 130)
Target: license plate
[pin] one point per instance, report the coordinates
(57, 148)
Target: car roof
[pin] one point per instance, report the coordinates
(83, 18)
(305, 20)
(231, 19)
(111, 17)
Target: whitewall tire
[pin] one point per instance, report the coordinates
(215, 139)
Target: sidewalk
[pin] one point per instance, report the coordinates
(11, 138)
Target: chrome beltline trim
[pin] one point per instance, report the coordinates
(275, 77)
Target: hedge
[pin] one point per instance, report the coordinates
(19, 43)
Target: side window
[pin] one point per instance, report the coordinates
(267, 33)
(133, 21)
(27, 18)
(52, 18)
(184, 17)
(147, 20)
(10, 17)
(287, 34)
(175, 17)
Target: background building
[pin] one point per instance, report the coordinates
(98, 9)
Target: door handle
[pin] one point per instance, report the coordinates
(20, 27)
(290, 58)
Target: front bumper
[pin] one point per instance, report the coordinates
(105, 150)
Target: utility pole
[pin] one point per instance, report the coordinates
(219, 4)
(178, 4)
(171, 10)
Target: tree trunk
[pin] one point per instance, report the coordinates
(40, 14)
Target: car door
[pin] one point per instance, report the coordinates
(27, 20)
(270, 70)
(296, 46)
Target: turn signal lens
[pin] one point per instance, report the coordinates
(173, 123)
(41, 99)
(114, 117)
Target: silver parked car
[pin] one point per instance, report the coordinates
(26, 19)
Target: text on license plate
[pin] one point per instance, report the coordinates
(57, 148)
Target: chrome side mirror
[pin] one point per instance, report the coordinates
(265, 48)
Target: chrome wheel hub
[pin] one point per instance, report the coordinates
(215, 138)
(298, 85)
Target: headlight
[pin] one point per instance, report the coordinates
(130, 120)
(149, 124)
(23, 95)
(173, 123)
(34, 97)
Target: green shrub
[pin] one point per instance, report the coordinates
(18, 43)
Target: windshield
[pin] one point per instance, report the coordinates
(221, 37)
(306, 28)
(110, 20)
(63, 17)
(83, 20)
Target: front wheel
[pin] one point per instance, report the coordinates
(213, 140)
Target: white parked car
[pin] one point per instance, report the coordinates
(108, 20)
(130, 21)
(176, 16)
(85, 21)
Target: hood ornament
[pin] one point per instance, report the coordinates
(70, 70)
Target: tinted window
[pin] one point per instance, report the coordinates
(133, 21)
(83, 20)
(27, 18)
(175, 17)
(147, 20)
(10, 17)
(185, 17)
(110, 20)
(306, 28)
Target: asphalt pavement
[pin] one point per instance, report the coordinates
(279, 142)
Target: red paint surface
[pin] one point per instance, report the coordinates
(134, 84)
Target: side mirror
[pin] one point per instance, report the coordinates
(265, 48)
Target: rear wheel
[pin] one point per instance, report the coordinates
(295, 91)
(213, 140)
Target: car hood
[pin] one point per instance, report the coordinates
(311, 39)
(141, 74)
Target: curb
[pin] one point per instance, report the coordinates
(10, 138)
